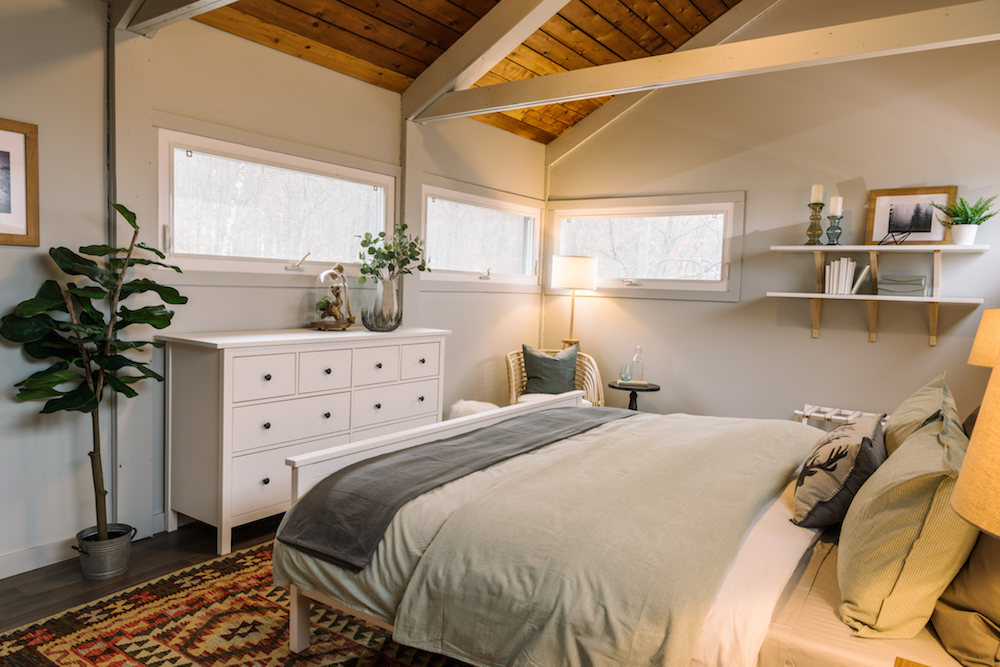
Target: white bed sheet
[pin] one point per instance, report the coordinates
(741, 611)
(806, 630)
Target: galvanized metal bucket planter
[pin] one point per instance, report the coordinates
(104, 559)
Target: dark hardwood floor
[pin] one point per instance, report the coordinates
(29, 597)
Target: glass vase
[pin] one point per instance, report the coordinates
(383, 308)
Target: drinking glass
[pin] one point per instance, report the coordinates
(625, 373)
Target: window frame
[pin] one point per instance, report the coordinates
(733, 204)
(271, 269)
(463, 193)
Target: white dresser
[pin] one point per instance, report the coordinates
(239, 403)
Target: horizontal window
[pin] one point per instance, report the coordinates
(475, 238)
(232, 202)
(669, 244)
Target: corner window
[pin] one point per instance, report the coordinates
(237, 203)
(684, 247)
(480, 239)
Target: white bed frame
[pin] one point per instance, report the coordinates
(309, 469)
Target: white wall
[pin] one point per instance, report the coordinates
(906, 121)
(52, 75)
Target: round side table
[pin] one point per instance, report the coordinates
(634, 388)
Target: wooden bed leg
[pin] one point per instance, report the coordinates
(298, 621)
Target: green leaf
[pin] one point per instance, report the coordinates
(49, 297)
(74, 265)
(155, 316)
(118, 344)
(119, 263)
(50, 381)
(26, 329)
(168, 294)
(128, 215)
(31, 394)
(151, 249)
(90, 292)
(54, 368)
(81, 399)
(91, 330)
(101, 250)
(53, 345)
(114, 362)
(121, 387)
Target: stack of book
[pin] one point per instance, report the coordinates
(840, 276)
(902, 285)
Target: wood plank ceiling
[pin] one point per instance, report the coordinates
(390, 42)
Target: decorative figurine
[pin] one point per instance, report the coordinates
(333, 300)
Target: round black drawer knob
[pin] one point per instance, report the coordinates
(421, 399)
(267, 377)
(267, 480)
(378, 406)
(267, 425)
(423, 361)
(378, 365)
(328, 371)
(326, 414)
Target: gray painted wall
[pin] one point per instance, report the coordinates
(904, 121)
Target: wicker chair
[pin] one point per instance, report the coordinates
(588, 378)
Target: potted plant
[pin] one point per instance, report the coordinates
(77, 326)
(384, 259)
(964, 218)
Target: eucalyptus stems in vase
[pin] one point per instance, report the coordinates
(384, 259)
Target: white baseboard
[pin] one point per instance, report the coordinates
(20, 562)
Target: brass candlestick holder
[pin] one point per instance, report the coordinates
(834, 231)
(815, 228)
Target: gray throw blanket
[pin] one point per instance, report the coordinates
(341, 520)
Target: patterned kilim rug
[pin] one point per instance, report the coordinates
(222, 613)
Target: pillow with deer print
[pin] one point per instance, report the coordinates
(835, 469)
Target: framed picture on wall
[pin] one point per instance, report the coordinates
(18, 183)
(907, 215)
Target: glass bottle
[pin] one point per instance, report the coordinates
(637, 363)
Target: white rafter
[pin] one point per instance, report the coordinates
(957, 25)
(155, 14)
(719, 31)
(476, 52)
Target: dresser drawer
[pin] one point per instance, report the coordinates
(261, 480)
(324, 371)
(419, 360)
(264, 376)
(373, 365)
(380, 404)
(257, 426)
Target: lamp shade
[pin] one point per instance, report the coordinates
(572, 272)
(986, 346)
(977, 493)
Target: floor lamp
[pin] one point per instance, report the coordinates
(977, 493)
(573, 273)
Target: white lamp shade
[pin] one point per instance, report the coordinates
(986, 346)
(572, 272)
(977, 493)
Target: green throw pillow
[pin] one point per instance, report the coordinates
(549, 374)
(930, 403)
(901, 543)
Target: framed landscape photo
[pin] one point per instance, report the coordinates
(18, 183)
(907, 215)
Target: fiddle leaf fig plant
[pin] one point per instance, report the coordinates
(76, 326)
(385, 257)
(964, 213)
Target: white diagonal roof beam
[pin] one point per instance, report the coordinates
(156, 14)
(476, 52)
(719, 31)
(957, 25)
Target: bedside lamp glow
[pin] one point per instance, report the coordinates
(573, 273)
(976, 497)
(986, 345)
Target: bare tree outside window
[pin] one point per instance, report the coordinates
(660, 247)
(466, 237)
(234, 208)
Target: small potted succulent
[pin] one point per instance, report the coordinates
(76, 327)
(964, 218)
(384, 259)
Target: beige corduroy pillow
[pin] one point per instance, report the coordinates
(901, 542)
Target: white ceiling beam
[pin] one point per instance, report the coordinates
(957, 25)
(476, 52)
(719, 31)
(156, 14)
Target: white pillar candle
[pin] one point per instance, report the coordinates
(836, 205)
(817, 194)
